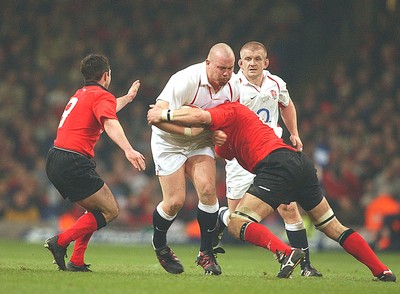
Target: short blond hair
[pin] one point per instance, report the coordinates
(253, 45)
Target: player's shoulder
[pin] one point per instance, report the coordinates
(240, 77)
(190, 71)
(269, 77)
(101, 95)
(188, 76)
(235, 79)
(234, 83)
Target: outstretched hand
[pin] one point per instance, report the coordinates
(133, 90)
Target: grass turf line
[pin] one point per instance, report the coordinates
(28, 268)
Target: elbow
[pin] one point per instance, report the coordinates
(201, 117)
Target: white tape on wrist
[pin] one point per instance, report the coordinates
(170, 115)
(164, 114)
(187, 132)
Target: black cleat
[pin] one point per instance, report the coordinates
(289, 262)
(386, 276)
(168, 260)
(309, 271)
(59, 253)
(78, 268)
(219, 227)
(209, 263)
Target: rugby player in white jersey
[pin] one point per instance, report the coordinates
(179, 150)
(266, 95)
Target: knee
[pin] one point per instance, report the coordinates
(173, 206)
(111, 213)
(290, 213)
(234, 227)
(208, 195)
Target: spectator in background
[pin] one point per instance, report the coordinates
(22, 208)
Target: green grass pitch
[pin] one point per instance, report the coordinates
(28, 268)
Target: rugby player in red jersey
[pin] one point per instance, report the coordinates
(70, 165)
(282, 174)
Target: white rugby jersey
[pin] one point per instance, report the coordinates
(191, 86)
(264, 101)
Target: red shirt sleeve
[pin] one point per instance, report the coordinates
(105, 106)
(221, 117)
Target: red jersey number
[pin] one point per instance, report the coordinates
(71, 104)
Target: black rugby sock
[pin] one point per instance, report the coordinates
(160, 229)
(298, 239)
(207, 223)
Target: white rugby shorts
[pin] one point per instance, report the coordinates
(238, 180)
(169, 158)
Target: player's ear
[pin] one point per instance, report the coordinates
(266, 63)
(104, 76)
(240, 62)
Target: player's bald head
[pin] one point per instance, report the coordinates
(221, 51)
(219, 65)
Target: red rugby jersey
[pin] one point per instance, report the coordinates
(249, 139)
(81, 122)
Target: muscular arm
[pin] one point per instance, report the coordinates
(186, 116)
(124, 100)
(114, 130)
(289, 117)
(175, 126)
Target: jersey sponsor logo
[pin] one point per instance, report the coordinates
(251, 98)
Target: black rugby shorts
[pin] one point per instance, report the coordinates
(73, 174)
(285, 176)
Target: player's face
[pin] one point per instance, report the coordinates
(253, 62)
(219, 71)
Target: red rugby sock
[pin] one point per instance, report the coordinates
(359, 248)
(86, 224)
(259, 235)
(78, 255)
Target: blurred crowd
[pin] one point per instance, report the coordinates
(342, 66)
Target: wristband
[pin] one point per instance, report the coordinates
(170, 115)
(164, 114)
(187, 132)
(167, 115)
